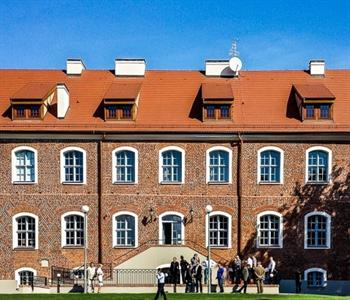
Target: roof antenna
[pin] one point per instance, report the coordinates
(235, 63)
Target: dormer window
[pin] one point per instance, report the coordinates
(121, 101)
(315, 102)
(217, 101)
(31, 102)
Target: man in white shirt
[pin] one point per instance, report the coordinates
(161, 281)
(271, 270)
(91, 273)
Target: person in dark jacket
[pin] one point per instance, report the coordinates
(298, 281)
(174, 272)
(198, 277)
(183, 265)
(220, 277)
(245, 277)
(189, 280)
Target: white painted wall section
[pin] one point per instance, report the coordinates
(62, 100)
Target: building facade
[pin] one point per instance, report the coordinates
(147, 151)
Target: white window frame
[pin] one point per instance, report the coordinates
(160, 163)
(13, 165)
(328, 229)
(318, 148)
(207, 159)
(160, 226)
(114, 164)
(62, 163)
(18, 278)
(14, 230)
(114, 229)
(324, 272)
(63, 229)
(281, 152)
(225, 214)
(280, 237)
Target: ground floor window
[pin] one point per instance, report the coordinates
(218, 231)
(316, 277)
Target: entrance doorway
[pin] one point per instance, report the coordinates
(171, 230)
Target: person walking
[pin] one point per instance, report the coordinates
(161, 282)
(99, 274)
(198, 278)
(237, 269)
(245, 277)
(220, 277)
(183, 265)
(174, 272)
(259, 273)
(271, 269)
(298, 281)
(91, 273)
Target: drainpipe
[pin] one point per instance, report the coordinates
(99, 193)
(239, 194)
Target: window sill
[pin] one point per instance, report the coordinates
(24, 182)
(270, 183)
(24, 249)
(269, 247)
(124, 183)
(171, 183)
(220, 247)
(124, 247)
(317, 248)
(318, 183)
(72, 247)
(73, 183)
(218, 183)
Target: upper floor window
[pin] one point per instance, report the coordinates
(310, 111)
(217, 112)
(270, 165)
(72, 224)
(219, 230)
(119, 112)
(219, 161)
(26, 111)
(24, 161)
(125, 229)
(73, 165)
(316, 277)
(318, 166)
(269, 226)
(171, 228)
(171, 165)
(317, 230)
(25, 231)
(125, 165)
(324, 111)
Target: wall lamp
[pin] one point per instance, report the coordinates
(189, 219)
(151, 216)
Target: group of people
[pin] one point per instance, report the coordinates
(94, 273)
(239, 272)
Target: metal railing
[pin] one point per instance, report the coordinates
(135, 277)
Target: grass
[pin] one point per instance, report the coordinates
(170, 297)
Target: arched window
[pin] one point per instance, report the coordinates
(270, 165)
(72, 229)
(269, 227)
(318, 165)
(124, 166)
(219, 162)
(25, 231)
(25, 276)
(73, 165)
(219, 229)
(171, 228)
(171, 165)
(315, 277)
(24, 165)
(125, 229)
(317, 230)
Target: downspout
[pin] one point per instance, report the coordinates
(239, 194)
(99, 192)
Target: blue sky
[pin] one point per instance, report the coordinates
(174, 34)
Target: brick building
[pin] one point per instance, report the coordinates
(147, 151)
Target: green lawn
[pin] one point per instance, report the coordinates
(170, 297)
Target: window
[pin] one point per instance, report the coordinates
(318, 111)
(310, 112)
(317, 230)
(24, 161)
(224, 112)
(26, 111)
(119, 112)
(219, 162)
(270, 165)
(318, 166)
(73, 165)
(25, 231)
(269, 226)
(324, 111)
(210, 112)
(126, 112)
(171, 165)
(219, 230)
(124, 165)
(217, 112)
(111, 112)
(24, 276)
(316, 277)
(72, 229)
(125, 229)
(171, 228)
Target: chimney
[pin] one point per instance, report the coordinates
(75, 66)
(130, 67)
(217, 67)
(317, 67)
(62, 100)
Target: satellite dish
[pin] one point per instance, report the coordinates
(235, 64)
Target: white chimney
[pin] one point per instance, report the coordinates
(75, 66)
(130, 67)
(62, 100)
(317, 67)
(218, 68)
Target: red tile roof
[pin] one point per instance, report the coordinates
(125, 90)
(33, 91)
(217, 90)
(313, 91)
(170, 101)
